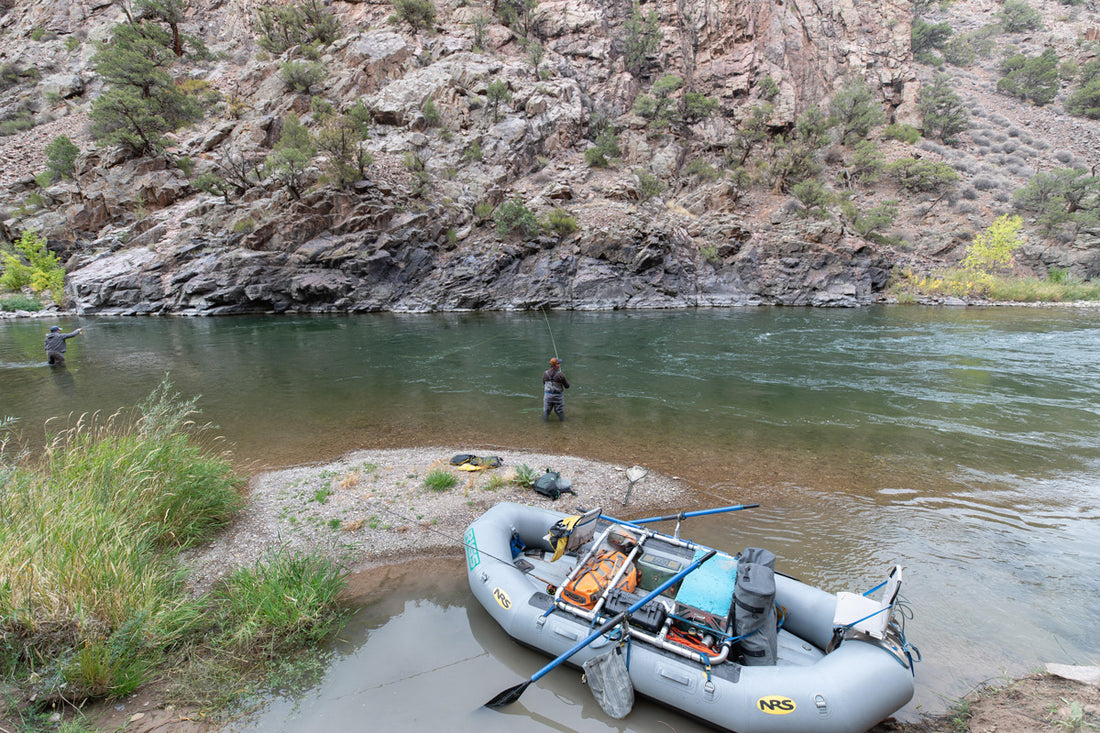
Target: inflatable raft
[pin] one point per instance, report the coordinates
(731, 642)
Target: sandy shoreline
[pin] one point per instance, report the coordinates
(371, 506)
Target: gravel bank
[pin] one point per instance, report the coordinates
(371, 506)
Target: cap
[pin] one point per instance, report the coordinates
(55, 328)
(555, 361)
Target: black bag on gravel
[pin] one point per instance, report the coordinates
(553, 485)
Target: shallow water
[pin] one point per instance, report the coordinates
(961, 443)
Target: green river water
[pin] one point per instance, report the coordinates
(963, 444)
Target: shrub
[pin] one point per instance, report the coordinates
(61, 154)
(813, 195)
(20, 302)
(280, 28)
(1062, 196)
(473, 151)
(346, 160)
(923, 175)
(418, 14)
(525, 476)
(561, 222)
(992, 249)
(1085, 100)
(514, 216)
(702, 170)
(301, 75)
(945, 117)
(901, 133)
(439, 480)
(496, 93)
(1017, 16)
(871, 223)
(697, 107)
(649, 185)
(430, 112)
(292, 155)
(1033, 79)
(927, 37)
(31, 263)
(606, 149)
(854, 110)
(642, 39)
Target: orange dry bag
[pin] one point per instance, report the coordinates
(594, 577)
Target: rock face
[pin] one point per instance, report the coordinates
(416, 234)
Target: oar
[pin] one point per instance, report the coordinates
(512, 694)
(682, 515)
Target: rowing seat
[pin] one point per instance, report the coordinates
(865, 614)
(573, 532)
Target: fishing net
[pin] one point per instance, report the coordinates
(609, 680)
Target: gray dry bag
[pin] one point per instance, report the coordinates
(754, 607)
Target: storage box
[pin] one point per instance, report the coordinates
(706, 595)
(659, 562)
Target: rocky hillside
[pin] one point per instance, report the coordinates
(524, 154)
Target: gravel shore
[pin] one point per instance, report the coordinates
(372, 506)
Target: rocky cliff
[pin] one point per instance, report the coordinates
(665, 224)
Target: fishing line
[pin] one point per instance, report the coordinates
(554, 343)
(452, 538)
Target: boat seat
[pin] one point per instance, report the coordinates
(573, 532)
(865, 614)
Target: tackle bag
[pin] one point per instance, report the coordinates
(595, 575)
(553, 485)
(754, 607)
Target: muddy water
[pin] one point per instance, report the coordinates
(963, 444)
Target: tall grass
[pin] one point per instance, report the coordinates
(92, 591)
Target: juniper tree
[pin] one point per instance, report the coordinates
(944, 114)
(855, 110)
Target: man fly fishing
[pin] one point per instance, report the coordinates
(554, 385)
(55, 345)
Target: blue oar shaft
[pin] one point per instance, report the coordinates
(688, 515)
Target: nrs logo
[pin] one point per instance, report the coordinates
(502, 598)
(775, 705)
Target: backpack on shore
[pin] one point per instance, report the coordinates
(552, 484)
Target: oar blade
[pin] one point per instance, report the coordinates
(507, 697)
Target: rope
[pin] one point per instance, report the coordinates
(464, 544)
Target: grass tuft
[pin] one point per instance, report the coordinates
(439, 480)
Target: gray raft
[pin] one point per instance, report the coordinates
(792, 685)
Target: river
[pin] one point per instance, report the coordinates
(961, 443)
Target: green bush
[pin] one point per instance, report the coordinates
(61, 154)
(280, 28)
(605, 150)
(927, 37)
(901, 133)
(525, 476)
(497, 93)
(418, 14)
(20, 302)
(31, 263)
(439, 480)
(560, 222)
(514, 216)
(1034, 79)
(814, 196)
(855, 110)
(301, 75)
(1085, 100)
(1064, 196)
(1017, 16)
(642, 39)
(649, 185)
(945, 117)
(923, 175)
